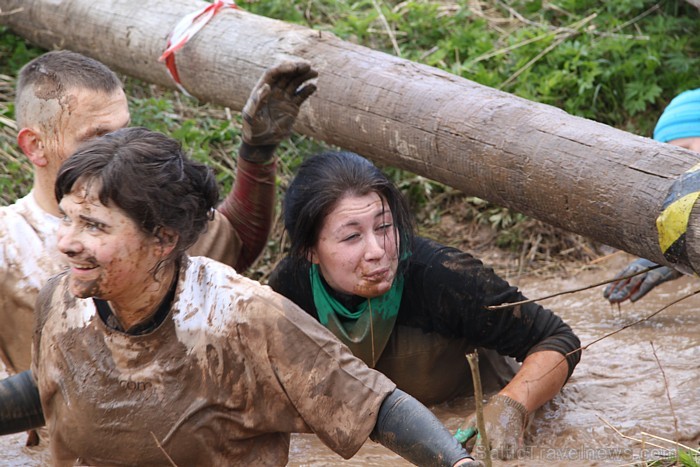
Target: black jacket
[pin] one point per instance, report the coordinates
(445, 291)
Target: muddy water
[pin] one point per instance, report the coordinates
(619, 385)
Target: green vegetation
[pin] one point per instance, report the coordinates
(618, 63)
(682, 458)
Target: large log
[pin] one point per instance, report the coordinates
(583, 176)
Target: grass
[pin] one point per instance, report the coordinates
(618, 63)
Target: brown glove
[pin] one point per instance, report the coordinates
(505, 420)
(274, 104)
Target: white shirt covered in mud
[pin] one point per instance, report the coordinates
(231, 371)
(29, 256)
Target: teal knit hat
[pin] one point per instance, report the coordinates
(681, 118)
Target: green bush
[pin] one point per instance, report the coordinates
(618, 63)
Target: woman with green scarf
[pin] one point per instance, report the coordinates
(411, 307)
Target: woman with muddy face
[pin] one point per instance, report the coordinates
(411, 307)
(144, 355)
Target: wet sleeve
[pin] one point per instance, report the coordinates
(408, 428)
(335, 394)
(20, 405)
(249, 208)
(457, 288)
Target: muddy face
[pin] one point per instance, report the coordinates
(80, 116)
(109, 256)
(357, 249)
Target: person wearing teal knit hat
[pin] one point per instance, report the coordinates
(678, 125)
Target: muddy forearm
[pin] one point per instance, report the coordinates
(250, 204)
(539, 379)
(409, 429)
(20, 405)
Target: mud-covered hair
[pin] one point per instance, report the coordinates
(53, 75)
(321, 181)
(148, 176)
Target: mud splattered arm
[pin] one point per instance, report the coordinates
(454, 289)
(268, 117)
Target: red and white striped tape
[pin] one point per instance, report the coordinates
(185, 29)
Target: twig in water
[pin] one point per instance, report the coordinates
(646, 318)
(580, 289)
(473, 359)
(688, 448)
(641, 441)
(644, 442)
(668, 394)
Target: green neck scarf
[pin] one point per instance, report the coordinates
(365, 331)
(385, 306)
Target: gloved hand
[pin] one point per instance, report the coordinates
(634, 288)
(274, 102)
(505, 420)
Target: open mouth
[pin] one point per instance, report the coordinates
(78, 268)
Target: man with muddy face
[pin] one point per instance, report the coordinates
(410, 307)
(64, 100)
(678, 125)
(144, 355)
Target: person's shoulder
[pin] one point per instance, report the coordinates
(54, 291)
(213, 272)
(426, 250)
(218, 288)
(24, 220)
(435, 256)
(11, 213)
(287, 274)
(219, 241)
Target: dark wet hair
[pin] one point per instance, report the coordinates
(54, 74)
(147, 175)
(321, 181)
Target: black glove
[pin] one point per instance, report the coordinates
(273, 105)
(634, 288)
(505, 420)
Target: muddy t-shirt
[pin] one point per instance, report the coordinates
(29, 256)
(232, 370)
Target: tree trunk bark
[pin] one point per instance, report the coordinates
(583, 176)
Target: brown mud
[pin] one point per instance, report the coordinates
(619, 384)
